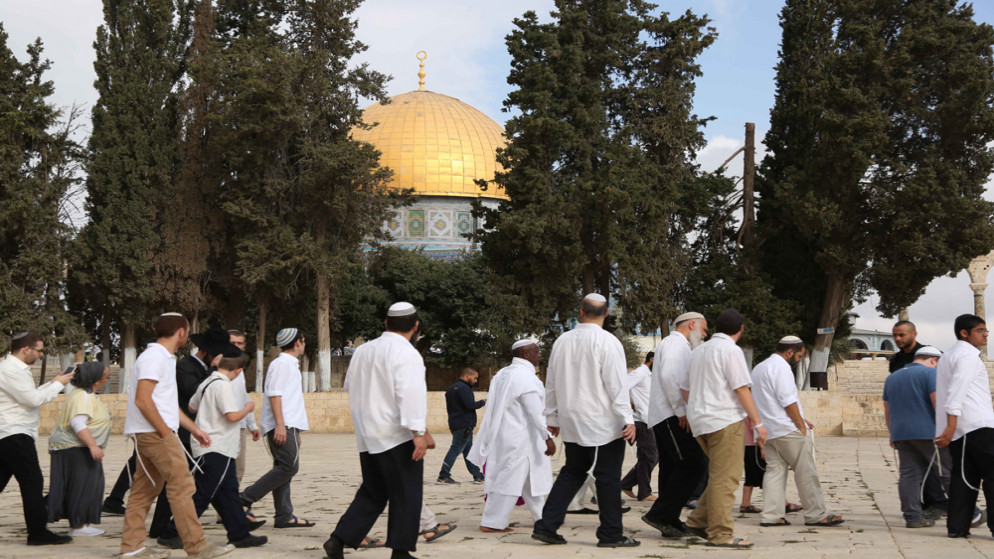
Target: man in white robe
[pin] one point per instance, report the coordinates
(514, 441)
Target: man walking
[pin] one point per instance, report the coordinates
(682, 461)
(646, 456)
(587, 401)
(789, 444)
(20, 401)
(283, 419)
(906, 339)
(964, 421)
(514, 441)
(388, 399)
(718, 400)
(151, 420)
(461, 408)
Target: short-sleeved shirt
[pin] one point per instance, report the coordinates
(283, 380)
(158, 364)
(773, 389)
(80, 402)
(908, 393)
(717, 369)
(214, 398)
(639, 383)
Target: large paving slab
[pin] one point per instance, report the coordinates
(859, 477)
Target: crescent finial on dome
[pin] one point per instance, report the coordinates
(421, 72)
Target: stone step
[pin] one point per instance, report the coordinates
(862, 432)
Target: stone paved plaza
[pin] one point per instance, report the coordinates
(859, 477)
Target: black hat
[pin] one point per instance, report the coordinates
(214, 341)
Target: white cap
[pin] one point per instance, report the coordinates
(401, 309)
(688, 316)
(928, 351)
(790, 340)
(523, 342)
(170, 314)
(595, 297)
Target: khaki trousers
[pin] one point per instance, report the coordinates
(240, 461)
(796, 451)
(161, 461)
(714, 508)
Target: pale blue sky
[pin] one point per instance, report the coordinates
(467, 59)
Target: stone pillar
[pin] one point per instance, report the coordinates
(904, 314)
(978, 269)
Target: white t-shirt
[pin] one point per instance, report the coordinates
(241, 395)
(773, 389)
(283, 380)
(717, 368)
(157, 364)
(214, 398)
(639, 381)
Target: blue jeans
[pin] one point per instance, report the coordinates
(462, 441)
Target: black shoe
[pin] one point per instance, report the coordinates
(174, 542)
(253, 526)
(625, 541)
(584, 510)
(551, 539)
(112, 509)
(48, 538)
(334, 548)
(625, 509)
(398, 554)
(250, 541)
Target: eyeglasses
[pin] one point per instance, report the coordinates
(42, 350)
(980, 330)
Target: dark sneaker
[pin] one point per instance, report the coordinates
(925, 522)
(112, 509)
(48, 538)
(255, 525)
(478, 480)
(171, 543)
(551, 539)
(447, 481)
(250, 541)
(623, 542)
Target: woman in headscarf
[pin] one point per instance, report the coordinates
(76, 488)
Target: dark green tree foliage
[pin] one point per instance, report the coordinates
(35, 149)
(878, 153)
(597, 161)
(117, 267)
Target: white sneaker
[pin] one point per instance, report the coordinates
(147, 553)
(86, 530)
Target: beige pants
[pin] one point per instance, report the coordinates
(796, 451)
(240, 461)
(714, 509)
(161, 461)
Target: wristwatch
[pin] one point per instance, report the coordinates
(419, 433)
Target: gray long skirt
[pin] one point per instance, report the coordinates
(76, 487)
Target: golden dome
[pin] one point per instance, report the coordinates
(435, 144)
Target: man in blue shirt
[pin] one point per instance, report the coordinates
(909, 407)
(461, 406)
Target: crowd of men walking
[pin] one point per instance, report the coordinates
(688, 408)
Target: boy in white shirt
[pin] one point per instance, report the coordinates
(219, 415)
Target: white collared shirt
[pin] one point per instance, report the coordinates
(156, 363)
(773, 389)
(717, 368)
(388, 396)
(585, 389)
(20, 399)
(241, 396)
(669, 372)
(214, 398)
(962, 389)
(639, 382)
(283, 380)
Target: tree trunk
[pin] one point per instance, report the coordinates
(44, 365)
(324, 334)
(832, 307)
(130, 354)
(588, 281)
(105, 334)
(260, 346)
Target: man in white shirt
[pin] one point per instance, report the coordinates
(152, 419)
(587, 401)
(283, 419)
(964, 421)
(248, 424)
(20, 400)
(682, 462)
(388, 399)
(718, 400)
(790, 444)
(514, 441)
(646, 456)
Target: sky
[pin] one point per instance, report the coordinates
(467, 59)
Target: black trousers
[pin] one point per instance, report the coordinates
(607, 478)
(973, 455)
(19, 458)
(218, 486)
(392, 477)
(681, 465)
(646, 457)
